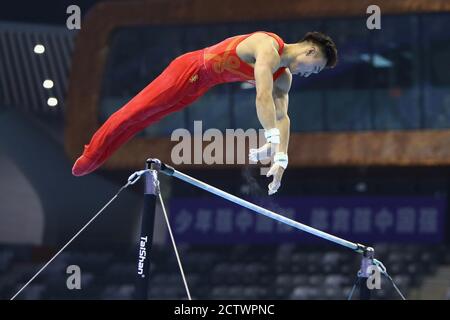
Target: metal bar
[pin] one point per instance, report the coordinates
(19, 69)
(30, 87)
(11, 71)
(36, 77)
(146, 237)
(5, 84)
(270, 214)
(58, 76)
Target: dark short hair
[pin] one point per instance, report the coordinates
(326, 44)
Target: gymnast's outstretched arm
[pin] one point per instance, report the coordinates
(269, 114)
(267, 61)
(281, 99)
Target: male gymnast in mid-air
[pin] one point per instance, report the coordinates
(259, 57)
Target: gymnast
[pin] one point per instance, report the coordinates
(261, 58)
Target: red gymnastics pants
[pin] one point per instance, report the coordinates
(180, 84)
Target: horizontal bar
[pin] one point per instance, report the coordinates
(202, 185)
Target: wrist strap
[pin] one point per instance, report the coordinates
(281, 158)
(272, 135)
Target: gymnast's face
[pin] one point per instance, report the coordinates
(308, 61)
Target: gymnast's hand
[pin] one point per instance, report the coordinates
(265, 152)
(280, 162)
(276, 170)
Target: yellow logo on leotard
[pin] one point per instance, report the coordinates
(226, 62)
(193, 78)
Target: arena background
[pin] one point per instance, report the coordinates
(369, 156)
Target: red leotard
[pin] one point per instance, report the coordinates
(186, 79)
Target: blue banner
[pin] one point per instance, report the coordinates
(357, 219)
